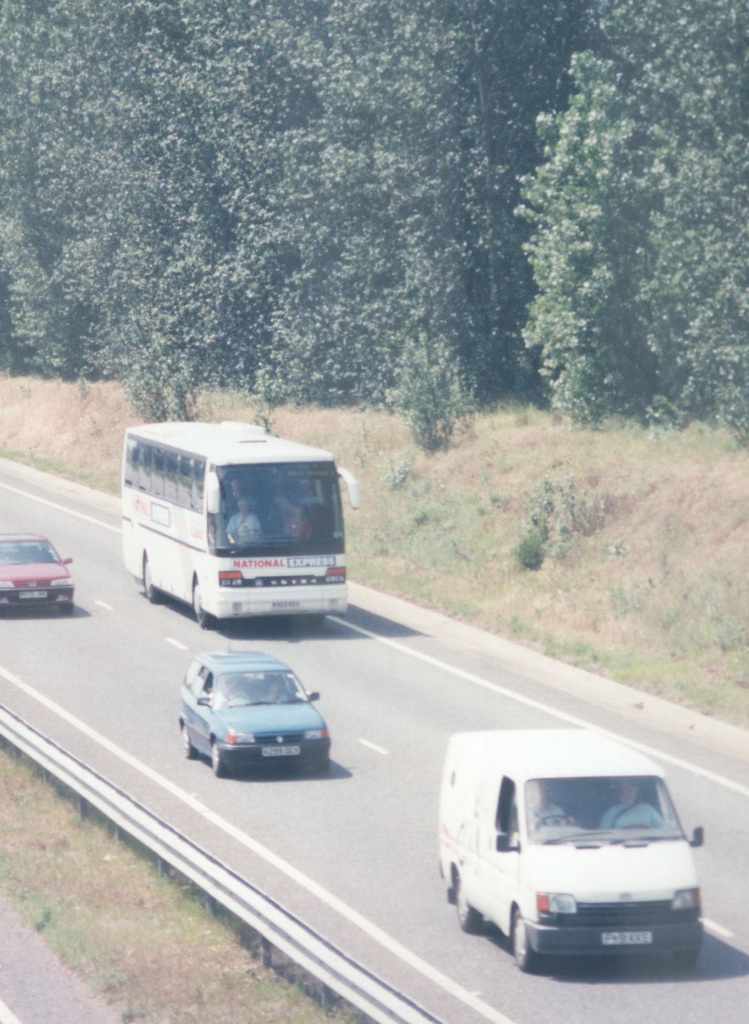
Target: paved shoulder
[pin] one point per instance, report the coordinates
(36, 987)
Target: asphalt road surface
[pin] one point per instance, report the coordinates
(355, 855)
(36, 987)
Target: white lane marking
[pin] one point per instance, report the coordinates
(537, 705)
(353, 916)
(61, 508)
(105, 606)
(461, 673)
(373, 746)
(717, 929)
(177, 644)
(6, 1017)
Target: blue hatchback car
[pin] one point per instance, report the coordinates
(246, 708)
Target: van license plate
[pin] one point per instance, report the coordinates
(281, 751)
(627, 938)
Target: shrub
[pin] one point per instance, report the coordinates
(531, 551)
(430, 395)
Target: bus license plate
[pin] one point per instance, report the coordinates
(280, 751)
(627, 938)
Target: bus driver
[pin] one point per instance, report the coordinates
(244, 526)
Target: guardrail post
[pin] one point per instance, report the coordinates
(82, 807)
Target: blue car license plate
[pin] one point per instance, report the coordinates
(281, 751)
(627, 938)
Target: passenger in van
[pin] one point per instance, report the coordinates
(630, 812)
(543, 806)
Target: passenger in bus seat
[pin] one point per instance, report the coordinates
(290, 519)
(244, 526)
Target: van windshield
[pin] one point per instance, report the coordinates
(606, 809)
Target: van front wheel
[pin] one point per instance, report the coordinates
(469, 918)
(525, 956)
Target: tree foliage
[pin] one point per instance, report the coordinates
(317, 200)
(271, 194)
(640, 216)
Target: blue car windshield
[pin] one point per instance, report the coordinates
(235, 689)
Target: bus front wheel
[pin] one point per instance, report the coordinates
(148, 588)
(205, 620)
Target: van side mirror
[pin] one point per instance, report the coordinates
(698, 836)
(507, 842)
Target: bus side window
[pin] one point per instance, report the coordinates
(157, 476)
(170, 476)
(198, 484)
(131, 464)
(184, 481)
(144, 473)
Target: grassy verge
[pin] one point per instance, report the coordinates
(140, 937)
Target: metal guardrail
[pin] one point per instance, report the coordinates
(330, 966)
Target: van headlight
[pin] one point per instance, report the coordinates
(686, 899)
(555, 903)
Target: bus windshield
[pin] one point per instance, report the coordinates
(278, 508)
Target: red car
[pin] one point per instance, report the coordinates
(32, 574)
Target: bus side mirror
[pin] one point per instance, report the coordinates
(353, 487)
(212, 495)
(698, 836)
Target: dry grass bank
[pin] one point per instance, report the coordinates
(649, 532)
(143, 940)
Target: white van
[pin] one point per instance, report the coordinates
(569, 843)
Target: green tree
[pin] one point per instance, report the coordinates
(640, 218)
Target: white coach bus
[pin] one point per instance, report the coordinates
(233, 521)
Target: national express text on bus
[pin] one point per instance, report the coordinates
(234, 521)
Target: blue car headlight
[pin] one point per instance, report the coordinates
(233, 737)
